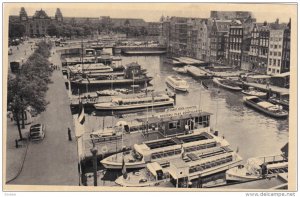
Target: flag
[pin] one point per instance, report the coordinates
(81, 115)
(204, 85)
(124, 172)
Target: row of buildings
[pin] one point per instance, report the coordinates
(230, 38)
(37, 24)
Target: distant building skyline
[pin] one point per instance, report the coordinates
(157, 10)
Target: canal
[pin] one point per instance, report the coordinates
(252, 133)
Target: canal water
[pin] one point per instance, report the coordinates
(251, 132)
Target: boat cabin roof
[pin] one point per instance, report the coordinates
(154, 167)
(172, 117)
(180, 141)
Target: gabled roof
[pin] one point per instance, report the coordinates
(40, 14)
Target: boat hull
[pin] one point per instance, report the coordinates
(262, 110)
(176, 88)
(138, 106)
(216, 81)
(258, 95)
(111, 82)
(118, 166)
(232, 175)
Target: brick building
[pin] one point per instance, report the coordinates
(217, 40)
(279, 50)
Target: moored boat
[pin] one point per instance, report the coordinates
(268, 108)
(163, 150)
(139, 102)
(257, 168)
(177, 83)
(182, 170)
(227, 84)
(197, 72)
(180, 70)
(90, 69)
(253, 92)
(133, 74)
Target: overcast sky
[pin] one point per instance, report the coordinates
(153, 11)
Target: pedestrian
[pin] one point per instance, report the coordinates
(11, 116)
(69, 134)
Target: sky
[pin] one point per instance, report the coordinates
(153, 11)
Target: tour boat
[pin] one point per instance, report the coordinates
(139, 102)
(163, 150)
(133, 74)
(268, 108)
(107, 132)
(90, 68)
(180, 70)
(108, 93)
(184, 169)
(227, 84)
(257, 168)
(253, 92)
(177, 83)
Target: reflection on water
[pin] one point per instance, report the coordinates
(252, 132)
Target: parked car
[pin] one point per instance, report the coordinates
(37, 132)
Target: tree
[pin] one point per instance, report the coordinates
(52, 30)
(16, 30)
(28, 88)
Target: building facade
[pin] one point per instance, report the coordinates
(218, 32)
(178, 36)
(279, 51)
(259, 48)
(37, 25)
(235, 42)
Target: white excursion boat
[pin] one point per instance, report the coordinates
(253, 92)
(163, 150)
(226, 83)
(107, 132)
(90, 68)
(183, 169)
(108, 93)
(258, 167)
(180, 70)
(118, 103)
(177, 83)
(268, 108)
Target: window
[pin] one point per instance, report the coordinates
(277, 71)
(279, 39)
(270, 69)
(279, 53)
(271, 53)
(271, 46)
(274, 62)
(273, 70)
(278, 62)
(174, 125)
(275, 53)
(275, 46)
(279, 46)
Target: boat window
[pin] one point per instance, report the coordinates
(136, 155)
(174, 125)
